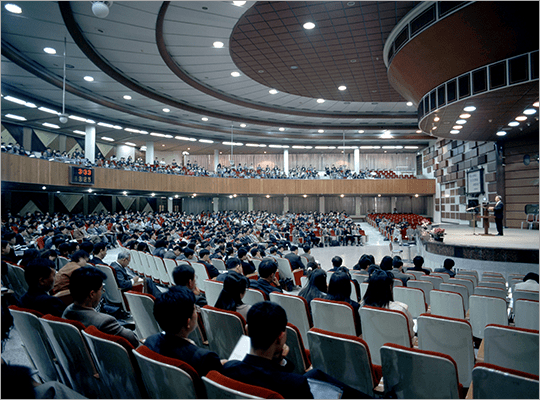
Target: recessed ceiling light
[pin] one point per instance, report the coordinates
(521, 118)
(44, 187)
(418, 131)
(409, 103)
(378, 195)
(267, 196)
(218, 45)
(88, 78)
(352, 61)
(513, 123)
(454, 132)
(235, 74)
(48, 110)
(320, 101)
(436, 119)
(206, 141)
(529, 111)
(204, 119)
(294, 67)
(342, 88)
(360, 131)
(535, 104)
(272, 91)
(166, 110)
(501, 133)
(469, 108)
(309, 25)
(80, 132)
(281, 129)
(465, 116)
(461, 121)
(108, 139)
(49, 50)
(13, 8)
(239, 3)
(321, 131)
(17, 117)
(153, 194)
(127, 97)
(243, 125)
(50, 125)
(457, 127)
(434, 128)
(130, 144)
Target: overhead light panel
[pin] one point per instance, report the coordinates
(89, 78)
(235, 74)
(185, 138)
(136, 131)
(130, 144)
(108, 139)
(465, 116)
(48, 125)
(79, 132)
(278, 146)
(461, 121)
(501, 133)
(454, 131)
(239, 3)
(206, 141)
(309, 25)
(469, 108)
(302, 147)
(321, 131)
(411, 147)
(513, 123)
(233, 144)
(281, 129)
(409, 103)
(49, 50)
(127, 97)
(48, 110)
(361, 131)
(342, 88)
(166, 110)
(320, 101)
(521, 118)
(218, 45)
(325, 147)
(529, 111)
(17, 117)
(13, 8)
(273, 91)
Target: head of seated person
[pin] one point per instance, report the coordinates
(179, 303)
(266, 327)
(386, 263)
(379, 292)
(234, 264)
(234, 290)
(86, 286)
(339, 288)
(531, 276)
(267, 270)
(336, 262)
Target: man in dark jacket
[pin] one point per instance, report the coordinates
(267, 281)
(39, 274)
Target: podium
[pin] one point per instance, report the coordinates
(485, 219)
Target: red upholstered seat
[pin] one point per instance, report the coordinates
(214, 377)
(28, 310)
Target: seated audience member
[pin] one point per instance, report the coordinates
(247, 265)
(204, 258)
(39, 274)
(447, 267)
(337, 261)
(380, 294)
(61, 281)
(232, 264)
(273, 253)
(307, 253)
(234, 290)
(184, 276)
(363, 264)
(174, 253)
(530, 282)
(266, 366)
(418, 261)
(100, 252)
(339, 289)
(294, 259)
(316, 287)
(312, 266)
(176, 314)
(267, 281)
(397, 270)
(86, 287)
(125, 279)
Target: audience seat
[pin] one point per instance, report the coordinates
(219, 264)
(525, 294)
(526, 314)
(473, 278)
(111, 291)
(449, 336)
(444, 276)
(466, 282)
(142, 310)
(511, 347)
(116, 364)
(254, 296)
(493, 284)
(344, 357)
(486, 310)
(223, 329)
(161, 272)
(425, 286)
(168, 378)
(297, 351)
(380, 326)
(419, 374)
(413, 297)
(213, 289)
(170, 265)
(286, 271)
(490, 291)
(15, 276)
(219, 386)
(494, 382)
(297, 311)
(458, 288)
(447, 304)
(201, 274)
(335, 316)
(435, 280)
(417, 274)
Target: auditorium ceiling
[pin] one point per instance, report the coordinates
(193, 75)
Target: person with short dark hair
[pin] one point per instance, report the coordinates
(363, 264)
(339, 289)
(336, 263)
(418, 261)
(61, 281)
(87, 246)
(447, 267)
(86, 288)
(294, 259)
(232, 264)
(397, 270)
(184, 276)
(267, 281)
(307, 253)
(530, 282)
(204, 259)
(176, 314)
(39, 275)
(247, 265)
(232, 293)
(100, 252)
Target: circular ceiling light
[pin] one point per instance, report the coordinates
(461, 121)
(469, 108)
(101, 8)
(243, 125)
(457, 127)
(465, 116)
(281, 129)
(529, 111)
(272, 91)
(166, 110)
(218, 45)
(513, 123)
(236, 74)
(409, 103)
(261, 71)
(320, 101)
(342, 88)
(360, 131)
(454, 132)
(419, 131)
(436, 119)
(321, 131)
(501, 133)
(49, 50)
(535, 104)
(239, 3)
(294, 67)
(127, 97)
(309, 25)
(13, 8)
(521, 118)
(204, 119)
(88, 78)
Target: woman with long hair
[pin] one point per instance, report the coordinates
(234, 289)
(339, 289)
(316, 286)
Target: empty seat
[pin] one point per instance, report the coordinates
(436, 280)
(445, 277)
(490, 291)
(526, 314)
(219, 386)
(424, 286)
(111, 292)
(486, 310)
(297, 311)
(458, 288)
(463, 275)
(493, 284)
(141, 306)
(223, 329)
(494, 382)
(201, 275)
(525, 294)
(253, 296)
(511, 347)
(213, 289)
(170, 265)
(413, 297)
(219, 264)
(401, 368)
(417, 274)
(447, 304)
(297, 351)
(335, 316)
(449, 336)
(466, 282)
(380, 326)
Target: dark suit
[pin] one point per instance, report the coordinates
(401, 276)
(212, 271)
(248, 267)
(446, 271)
(498, 212)
(39, 300)
(296, 262)
(105, 323)
(122, 276)
(265, 286)
(200, 359)
(96, 260)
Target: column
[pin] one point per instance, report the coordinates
(215, 203)
(357, 206)
(149, 158)
(169, 204)
(27, 138)
(62, 143)
(90, 143)
(285, 205)
(357, 160)
(286, 161)
(113, 204)
(51, 203)
(321, 204)
(85, 204)
(216, 159)
(250, 204)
